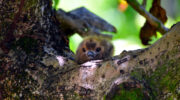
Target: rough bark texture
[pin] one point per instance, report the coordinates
(35, 62)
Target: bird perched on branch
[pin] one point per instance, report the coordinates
(94, 48)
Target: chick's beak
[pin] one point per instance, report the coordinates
(91, 54)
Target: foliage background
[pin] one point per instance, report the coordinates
(126, 20)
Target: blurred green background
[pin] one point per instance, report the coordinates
(126, 20)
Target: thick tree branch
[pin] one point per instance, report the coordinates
(99, 77)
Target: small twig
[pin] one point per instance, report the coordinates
(149, 17)
(144, 3)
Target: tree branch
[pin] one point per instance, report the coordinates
(150, 18)
(83, 22)
(101, 76)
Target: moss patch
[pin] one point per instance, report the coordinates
(134, 94)
(166, 79)
(127, 92)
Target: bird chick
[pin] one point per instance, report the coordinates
(93, 48)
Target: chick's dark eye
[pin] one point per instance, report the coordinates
(98, 49)
(83, 49)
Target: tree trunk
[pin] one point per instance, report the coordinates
(35, 61)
